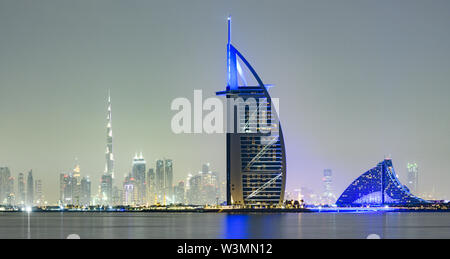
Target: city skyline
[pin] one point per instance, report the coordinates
(341, 108)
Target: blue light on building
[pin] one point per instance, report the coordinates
(256, 155)
(378, 187)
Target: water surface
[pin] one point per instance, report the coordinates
(221, 225)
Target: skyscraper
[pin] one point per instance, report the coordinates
(30, 189)
(130, 192)
(160, 181)
(413, 178)
(168, 179)
(106, 190)
(76, 182)
(21, 189)
(256, 156)
(39, 197)
(194, 189)
(65, 191)
(109, 167)
(5, 174)
(106, 185)
(138, 173)
(151, 186)
(116, 196)
(203, 187)
(164, 181)
(85, 191)
(179, 193)
(11, 196)
(328, 196)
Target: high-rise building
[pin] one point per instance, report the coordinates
(203, 187)
(179, 193)
(71, 190)
(66, 189)
(106, 190)
(75, 190)
(194, 185)
(130, 192)
(76, 182)
(30, 189)
(85, 191)
(138, 173)
(160, 181)
(256, 156)
(11, 197)
(109, 167)
(106, 185)
(151, 185)
(164, 181)
(168, 180)
(116, 196)
(328, 196)
(38, 195)
(21, 190)
(5, 175)
(413, 178)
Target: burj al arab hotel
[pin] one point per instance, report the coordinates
(256, 155)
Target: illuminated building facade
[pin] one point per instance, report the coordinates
(152, 199)
(168, 178)
(30, 189)
(413, 177)
(107, 178)
(328, 196)
(378, 187)
(256, 157)
(109, 167)
(179, 193)
(164, 181)
(160, 183)
(21, 189)
(6, 186)
(138, 173)
(11, 196)
(106, 189)
(130, 192)
(38, 195)
(203, 187)
(85, 191)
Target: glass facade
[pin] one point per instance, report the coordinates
(256, 160)
(378, 187)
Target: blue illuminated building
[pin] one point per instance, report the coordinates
(378, 187)
(256, 156)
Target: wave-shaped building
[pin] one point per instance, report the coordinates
(256, 156)
(378, 187)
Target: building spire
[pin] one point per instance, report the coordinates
(229, 29)
(232, 81)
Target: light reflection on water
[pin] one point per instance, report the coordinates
(230, 226)
(236, 226)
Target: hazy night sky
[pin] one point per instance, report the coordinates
(357, 81)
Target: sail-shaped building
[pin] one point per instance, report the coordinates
(378, 187)
(256, 156)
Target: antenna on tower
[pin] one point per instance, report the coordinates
(229, 29)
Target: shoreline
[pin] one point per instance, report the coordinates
(240, 211)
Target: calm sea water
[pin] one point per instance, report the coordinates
(212, 225)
